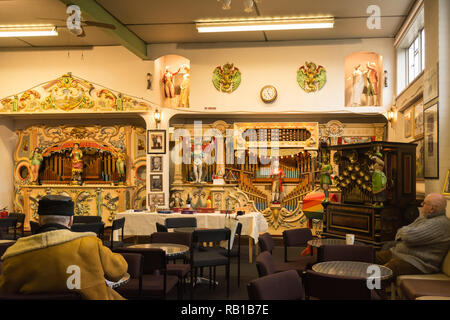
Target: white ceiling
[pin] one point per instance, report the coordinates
(173, 21)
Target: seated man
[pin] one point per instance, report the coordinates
(58, 260)
(421, 246)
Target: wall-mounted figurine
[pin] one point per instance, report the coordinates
(149, 81)
(379, 180)
(36, 160)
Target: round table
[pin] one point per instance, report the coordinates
(316, 243)
(172, 250)
(122, 281)
(352, 269)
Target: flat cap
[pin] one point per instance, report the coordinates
(55, 205)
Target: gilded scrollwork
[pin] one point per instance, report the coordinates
(71, 94)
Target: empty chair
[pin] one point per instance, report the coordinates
(5, 245)
(236, 250)
(160, 227)
(266, 243)
(285, 285)
(117, 224)
(334, 287)
(133, 288)
(180, 223)
(34, 226)
(156, 283)
(346, 253)
(265, 264)
(20, 221)
(205, 257)
(181, 270)
(96, 227)
(5, 225)
(296, 238)
(86, 219)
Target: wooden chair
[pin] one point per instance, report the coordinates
(285, 285)
(20, 221)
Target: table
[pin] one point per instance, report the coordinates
(122, 281)
(351, 269)
(316, 243)
(144, 223)
(172, 250)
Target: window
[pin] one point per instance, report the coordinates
(416, 57)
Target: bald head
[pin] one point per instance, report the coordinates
(434, 202)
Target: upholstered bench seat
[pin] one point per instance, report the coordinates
(414, 288)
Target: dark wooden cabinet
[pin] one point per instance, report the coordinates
(356, 213)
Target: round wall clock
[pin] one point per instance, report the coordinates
(268, 94)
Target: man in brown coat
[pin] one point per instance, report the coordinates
(59, 260)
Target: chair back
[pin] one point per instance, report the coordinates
(346, 253)
(180, 223)
(34, 226)
(297, 237)
(334, 287)
(266, 242)
(285, 285)
(154, 258)
(117, 224)
(184, 238)
(4, 246)
(161, 228)
(86, 219)
(96, 227)
(6, 223)
(265, 264)
(135, 263)
(211, 235)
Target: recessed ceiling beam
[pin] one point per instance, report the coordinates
(122, 34)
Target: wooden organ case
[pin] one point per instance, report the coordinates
(356, 213)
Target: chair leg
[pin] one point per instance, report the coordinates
(228, 280)
(239, 271)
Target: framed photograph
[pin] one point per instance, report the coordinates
(419, 159)
(156, 141)
(156, 182)
(431, 143)
(446, 189)
(408, 122)
(418, 120)
(156, 198)
(156, 164)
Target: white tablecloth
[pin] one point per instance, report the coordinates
(144, 223)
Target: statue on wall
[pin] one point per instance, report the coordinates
(198, 155)
(168, 80)
(120, 166)
(379, 181)
(372, 84)
(357, 86)
(36, 160)
(277, 176)
(185, 88)
(325, 176)
(77, 163)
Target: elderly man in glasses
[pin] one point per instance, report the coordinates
(421, 246)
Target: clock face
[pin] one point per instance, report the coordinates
(268, 94)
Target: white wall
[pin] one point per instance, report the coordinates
(277, 64)
(8, 141)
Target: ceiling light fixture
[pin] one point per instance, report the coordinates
(34, 30)
(265, 24)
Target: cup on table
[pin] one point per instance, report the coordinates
(349, 238)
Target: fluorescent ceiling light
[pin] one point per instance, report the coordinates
(265, 24)
(36, 30)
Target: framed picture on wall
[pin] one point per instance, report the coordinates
(418, 120)
(431, 142)
(156, 163)
(419, 159)
(156, 182)
(156, 141)
(446, 189)
(156, 199)
(408, 122)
